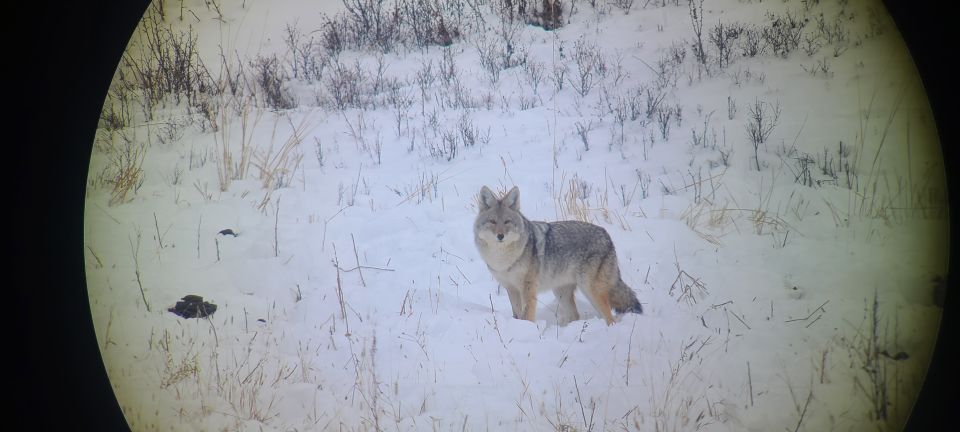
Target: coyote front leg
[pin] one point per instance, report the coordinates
(528, 295)
(515, 303)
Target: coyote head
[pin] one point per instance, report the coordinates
(499, 220)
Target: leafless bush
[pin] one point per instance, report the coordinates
(346, 85)
(430, 22)
(502, 51)
(652, 99)
(827, 167)
(635, 103)
(558, 76)
(547, 14)
(763, 118)
(834, 31)
(751, 42)
(270, 76)
(470, 135)
(820, 67)
(534, 71)
(170, 132)
(304, 61)
(450, 145)
(402, 101)
(723, 38)
(696, 21)
(875, 349)
(784, 33)
(624, 5)
(587, 57)
(164, 64)
(384, 26)
(334, 34)
(116, 113)
(583, 130)
(373, 23)
(701, 138)
(663, 121)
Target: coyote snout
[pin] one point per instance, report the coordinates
(531, 256)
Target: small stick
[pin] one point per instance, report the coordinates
(366, 267)
(276, 218)
(580, 400)
(357, 257)
(750, 383)
(99, 263)
(738, 318)
(198, 237)
(336, 262)
(156, 225)
(811, 313)
(809, 396)
(629, 350)
(461, 274)
(721, 304)
(136, 264)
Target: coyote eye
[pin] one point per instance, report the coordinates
(508, 222)
(492, 221)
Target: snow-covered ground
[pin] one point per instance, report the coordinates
(788, 285)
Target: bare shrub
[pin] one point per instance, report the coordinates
(547, 14)
(784, 33)
(696, 21)
(500, 53)
(346, 84)
(723, 38)
(760, 123)
(751, 42)
(429, 22)
(587, 57)
(372, 23)
(165, 64)
(270, 76)
(304, 61)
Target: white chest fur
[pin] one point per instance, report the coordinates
(499, 255)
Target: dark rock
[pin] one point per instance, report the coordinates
(193, 306)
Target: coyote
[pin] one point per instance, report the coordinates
(529, 256)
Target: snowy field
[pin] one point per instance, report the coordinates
(769, 173)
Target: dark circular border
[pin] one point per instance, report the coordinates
(64, 58)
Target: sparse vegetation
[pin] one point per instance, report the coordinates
(455, 90)
(762, 120)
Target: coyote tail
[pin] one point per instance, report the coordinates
(623, 299)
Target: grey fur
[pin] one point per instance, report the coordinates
(529, 256)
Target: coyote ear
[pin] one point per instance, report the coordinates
(512, 199)
(487, 199)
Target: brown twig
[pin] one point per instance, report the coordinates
(357, 257)
(811, 313)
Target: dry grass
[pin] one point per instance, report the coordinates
(877, 363)
(277, 167)
(571, 200)
(234, 163)
(125, 170)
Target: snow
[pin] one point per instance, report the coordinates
(353, 297)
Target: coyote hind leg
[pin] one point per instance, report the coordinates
(597, 290)
(566, 306)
